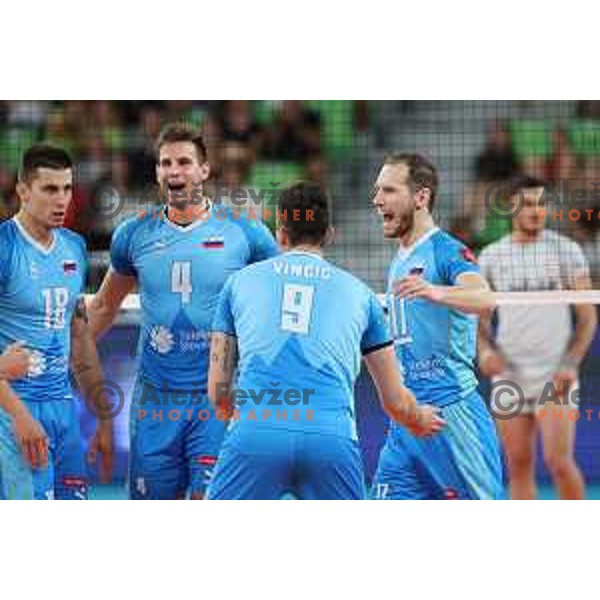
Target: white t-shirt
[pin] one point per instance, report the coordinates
(533, 338)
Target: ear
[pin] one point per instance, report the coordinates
(422, 198)
(205, 171)
(157, 174)
(282, 237)
(22, 191)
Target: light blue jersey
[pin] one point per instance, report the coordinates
(301, 326)
(181, 271)
(436, 348)
(38, 291)
(39, 288)
(435, 345)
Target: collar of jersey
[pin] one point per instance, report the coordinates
(191, 226)
(33, 241)
(406, 252)
(305, 253)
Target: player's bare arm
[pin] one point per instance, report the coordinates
(397, 400)
(223, 360)
(86, 368)
(14, 362)
(471, 294)
(104, 306)
(586, 321)
(30, 435)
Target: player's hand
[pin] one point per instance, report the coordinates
(492, 364)
(414, 286)
(564, 379)
(15, 361)
(32, 439)
(428, 421)
(103, 444)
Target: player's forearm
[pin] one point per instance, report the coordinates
(223, 359)
(9, 401)
(101, 316)
(401, 406)
(586, 321)
(87, 370)
(469, 300)
(85, 363)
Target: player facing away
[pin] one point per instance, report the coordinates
(300, 326)
(179, 263)
(538, 348)
(434, 292)
(42, 276)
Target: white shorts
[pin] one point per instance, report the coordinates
(527, 394)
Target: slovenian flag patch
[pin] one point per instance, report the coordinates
(213, 243)
(69, 267)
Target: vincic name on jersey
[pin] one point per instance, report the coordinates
(308, 271)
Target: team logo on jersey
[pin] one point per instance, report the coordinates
(69, 267)
(161, 339)
(213, 243)
(417, 271)
(37, 364)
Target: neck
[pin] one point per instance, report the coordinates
(187, 215)
(422, 225)
(526, 237)
(38, 232)
(307, 248)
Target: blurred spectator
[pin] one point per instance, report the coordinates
(8, 199)
(588, 109)
(142, 159)
(562, 166)
(237, 124)
(295, 134)
(493, 167)
(316, 171)
(497, 161)
(106, 122)
(95, 160)
(27, 113)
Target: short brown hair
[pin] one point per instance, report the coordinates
(421, 173)
(43, 156)
(303, 197)
(180, 132)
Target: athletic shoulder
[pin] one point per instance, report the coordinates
(121, 256)
(129, 226)
(260, 240)
(253, 270)
(452, 257)
(74, 239)
(7, 233)
(444, 239)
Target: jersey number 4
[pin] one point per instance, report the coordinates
(296, 307)
(181, 280)
(55, 307)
